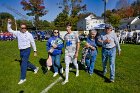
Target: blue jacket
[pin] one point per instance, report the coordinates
(58, 49)
(94, 44)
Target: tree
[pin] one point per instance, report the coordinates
(61, 20)
(136, 7)
(108, 13)
(3, 20)
(36, 7)
(73, 8)
(122, 4)
(114, 19)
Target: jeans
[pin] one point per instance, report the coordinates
(56, 62)
(90, 63)
(111, 54)
(24, 54)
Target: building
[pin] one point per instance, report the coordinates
(89, 22)
(132, 23)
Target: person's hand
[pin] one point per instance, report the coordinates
(51, 50)
(76, 55)
(107, 41)
(87, 45)
(9, 21)
(54, 45)
(93, 48)
(119, 53)
(35, 53)
(100, 40)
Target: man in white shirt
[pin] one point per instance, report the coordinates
(25, 40)
(109, 44)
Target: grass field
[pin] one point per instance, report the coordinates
(127, 73)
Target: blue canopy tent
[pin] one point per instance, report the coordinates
(100, 26)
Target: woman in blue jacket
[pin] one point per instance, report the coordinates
(91, 45)
(54, 48)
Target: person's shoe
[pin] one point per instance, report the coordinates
(70, 68)
(66, 81)
(90, 74)
(77, 73)
(61, 70)
(112, 80)
(21, 81)
(55, 74)
(36, 70)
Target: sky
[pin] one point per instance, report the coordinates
(94, 6)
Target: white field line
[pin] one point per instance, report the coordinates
(51, 85)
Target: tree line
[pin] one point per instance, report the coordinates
(72, 11)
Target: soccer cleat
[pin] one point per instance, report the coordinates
(36, 70)
(77, 73)
(66, 81)
(21, 81)
(55, 74)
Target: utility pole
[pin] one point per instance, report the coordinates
(104, 11)
(105, 1)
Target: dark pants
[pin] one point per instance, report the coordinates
(24, 54)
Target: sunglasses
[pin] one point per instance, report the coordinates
(23, 28)
(55, 32)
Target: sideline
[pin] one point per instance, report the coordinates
(51, 85)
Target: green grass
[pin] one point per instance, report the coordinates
(127, 73)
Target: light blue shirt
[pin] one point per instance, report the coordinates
(111, 36)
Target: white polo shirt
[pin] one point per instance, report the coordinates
(25, 40)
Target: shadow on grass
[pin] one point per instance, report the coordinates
(21, 91)
(100, 73)
(42, 62)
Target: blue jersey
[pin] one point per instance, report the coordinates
(92, 42)
(57, 41)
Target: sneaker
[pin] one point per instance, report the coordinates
(21, 81)
(70, 68)
(36, 70)
(112, 80)
(90, 74)
(61, 70)
(55, 74)
(66, 81)
(77, 73)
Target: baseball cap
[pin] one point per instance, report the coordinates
(107, 26)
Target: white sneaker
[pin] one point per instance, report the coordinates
(21, 81)
(77, 73)
(55, 74)
(66, 81)
(70, 68)
(36, 70)
(61, 70)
